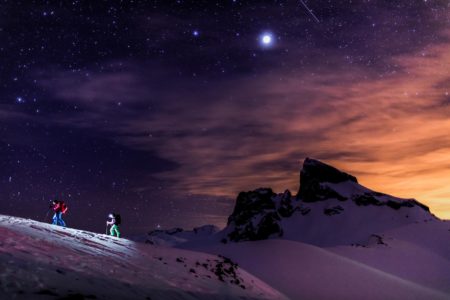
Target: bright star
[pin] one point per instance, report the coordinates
(266, 39)
(195, 33)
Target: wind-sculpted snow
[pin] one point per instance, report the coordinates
(41, 261)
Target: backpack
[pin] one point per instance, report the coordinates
(118, 219)
(63, 206)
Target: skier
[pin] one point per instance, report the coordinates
(60, 208)
(114, 220)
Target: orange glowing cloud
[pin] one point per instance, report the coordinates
(390, 129)
(392, 132)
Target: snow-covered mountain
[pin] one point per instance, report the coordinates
(335, 239)
(41, 261)
(330, 209)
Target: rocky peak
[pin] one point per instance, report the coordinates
(325, 192)
(258, 213)
(313, 174)
(321, 172)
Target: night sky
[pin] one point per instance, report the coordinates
(165, 110)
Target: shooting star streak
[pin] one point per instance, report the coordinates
(310, 11)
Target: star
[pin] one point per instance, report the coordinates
(195, 33)
(266, 39)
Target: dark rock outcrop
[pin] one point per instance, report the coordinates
(423, 206)
(286, 208)
(255, 216)
(313, 174)
(249, 204)
(333, 210)
(258, 214)
(369, 198)
(317, 170)
(375, 240)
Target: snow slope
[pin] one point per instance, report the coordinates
(176, 236)
(303, 271)
(404, 261)
(41, 261)
(336, 239)
(347, 223)
(418, 252)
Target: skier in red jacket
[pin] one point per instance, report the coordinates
(60, 208)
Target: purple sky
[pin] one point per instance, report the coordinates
(165, 110)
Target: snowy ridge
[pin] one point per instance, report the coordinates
(41, 261)
(330, 209)
(335, 239)
(176, 236)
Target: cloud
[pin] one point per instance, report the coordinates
(382, 117)
(120, 83)
(391, 131)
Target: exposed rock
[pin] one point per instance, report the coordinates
(286, 208)
(423, 206)
(206, 229)
(249, 204)
(375, 239)
(304, 210)
(168, 231)
(370, 199)
(314, 169)
(256, 217)
(366, 199)
(268, 226)
(313, 174)
(333, 210)
(259, 214)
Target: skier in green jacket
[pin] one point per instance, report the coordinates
(114, 221)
